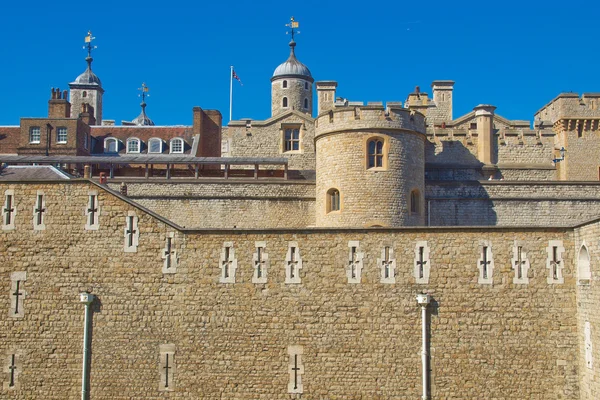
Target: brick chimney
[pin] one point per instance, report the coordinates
(87, 114)
(207, 124)
(58, 105)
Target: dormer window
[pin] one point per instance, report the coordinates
(111, 145)
(155, 145)
(133, 145)
(177, 145)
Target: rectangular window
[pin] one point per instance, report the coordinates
(61, 135)
(133, 146)
(292, 139)
(92, 210)
(155, 146)
(9, 210)
(34, 134)
(177, 146)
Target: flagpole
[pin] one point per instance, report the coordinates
(230, 92)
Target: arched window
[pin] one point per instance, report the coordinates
(133, 145)
(176, 145)
(284, 84)
(155, 145)
(284, 102)
(305, 103)
(584, 273)
(111, 145)
(415, 202)
(333, 200)
(375, 149)
(84, 94)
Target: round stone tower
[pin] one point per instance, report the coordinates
(370, 166)
(87, 88)
(291, 86)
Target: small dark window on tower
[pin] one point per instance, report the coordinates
(284, 102)
(306, 85)
(415, 200)
(473, 125)
(284, 84)
(375, 149)
(305, 103)
(84, 94)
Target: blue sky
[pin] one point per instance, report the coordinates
(514, 55)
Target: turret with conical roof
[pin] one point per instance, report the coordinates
(291, 84)
(87, 88)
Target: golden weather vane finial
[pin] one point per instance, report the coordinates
(293, 25)
(144, 92)
(88, 44)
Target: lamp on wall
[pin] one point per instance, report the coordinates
(562, 156)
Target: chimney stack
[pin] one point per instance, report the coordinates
(58, 106)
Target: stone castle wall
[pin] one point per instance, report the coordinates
(511, 204)
(588, 298)
(296, 91)
(266, 139)
(221, 204)
(359, 340)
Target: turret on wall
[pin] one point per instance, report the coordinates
(291, 86)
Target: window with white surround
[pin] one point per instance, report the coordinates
(293, 264)
(133, 145)
(169, 255)
(422, 263)
(520, 264)
(228, 263)
(291, 138)
(9, 210)
(111, 145)
(387, 265)
(61, 134)
(35, 134)
(13, 367)
(260, 259)
(584, 272)
(589, 358)
(485, 263)
(176, 145)
(39, 211)
(166, 367)
(295, 369)
(155, 145)
(131, 233)
(92, 211)
(17, 294)
(554, 262)
(355, 262)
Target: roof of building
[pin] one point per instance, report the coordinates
(142, 119)
(9, 139)
(88, 77)
(32, 173)
(292, 67)
(145, 133)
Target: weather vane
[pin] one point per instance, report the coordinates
(144, 92)
(292, 25)
(88, 44)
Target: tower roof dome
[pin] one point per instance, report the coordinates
(88, 77)
(292, 67)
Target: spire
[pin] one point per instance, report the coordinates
(293, 25)
(143, 119)
(89, 47)
(292, 67)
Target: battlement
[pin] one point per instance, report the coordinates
(371, 116)
(570, 105)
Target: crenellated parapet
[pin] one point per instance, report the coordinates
(371, 116)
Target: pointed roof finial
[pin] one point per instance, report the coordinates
(89, 47)
(143, 119)
(293, 25)
(143, 93)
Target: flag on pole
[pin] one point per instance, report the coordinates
(234, 76)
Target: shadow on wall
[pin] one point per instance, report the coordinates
(454, 194)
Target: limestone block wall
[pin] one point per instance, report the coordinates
(226, 204)
(369, 196)
(452, 147)
(588, 298)
(231, 340)
(511, 203)
(581, 157)
(266, 139)
(296, 92)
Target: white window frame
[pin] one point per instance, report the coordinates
(561, 262)
(17, 304)
(61, 131)
(584, 269)
(36, 137)
(525, 265)
(167, 352)
(489, 279)
(227, 259)
(170, 255)
(354, 264)
(391, 264)
(294, 277)
(40, 203)
(92, 225)
(131, 142)
(426, 259)
(160, 145)
(172, 146)
(10, 193)
(263, 263)
(136, 235)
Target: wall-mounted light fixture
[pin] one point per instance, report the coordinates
(562, 156)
